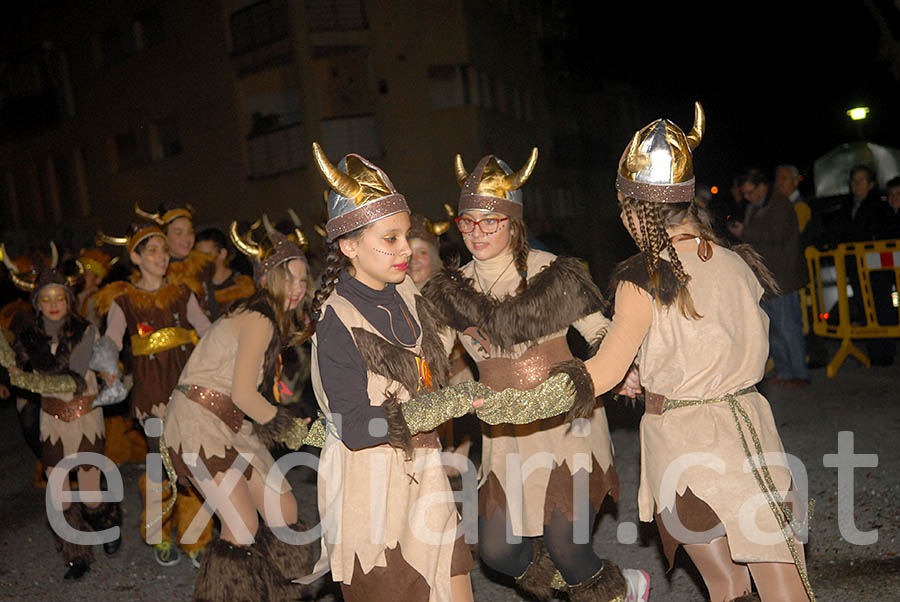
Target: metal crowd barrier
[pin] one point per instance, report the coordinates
(841, 280)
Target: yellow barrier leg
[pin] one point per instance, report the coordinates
(847, 348)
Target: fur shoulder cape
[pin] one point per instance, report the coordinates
(165, 297)
(634, 270)
(385, 359)
(32, 347)
(194, 270)
(557, 296)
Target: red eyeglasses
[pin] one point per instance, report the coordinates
(488, 225)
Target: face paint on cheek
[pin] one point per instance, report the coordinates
(383, 252)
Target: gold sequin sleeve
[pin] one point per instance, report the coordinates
(551, 398)
(43, 384)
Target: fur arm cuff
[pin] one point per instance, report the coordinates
(582, 385)
(285, 427)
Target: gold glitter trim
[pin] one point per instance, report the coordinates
(43, 384)
(759, 468)
(162, 340)
(172, 484)
(295, 435)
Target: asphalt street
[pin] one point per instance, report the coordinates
(864, 402)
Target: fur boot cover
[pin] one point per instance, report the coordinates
(233, 573)
(606, 585)
(292, 561)
(585, 401)
(537, 578)
(74, 553)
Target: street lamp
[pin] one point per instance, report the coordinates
(858, 113)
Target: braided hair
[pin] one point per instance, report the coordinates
(518, 243)
(652, 239)
(335, 262)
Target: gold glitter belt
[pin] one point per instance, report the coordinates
(526, 371)
(162, 340)
(218, 403)
(67, 411)
(659, 404)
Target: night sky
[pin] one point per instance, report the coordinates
(775, 78)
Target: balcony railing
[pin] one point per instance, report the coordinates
(276, 151)
(259, 25)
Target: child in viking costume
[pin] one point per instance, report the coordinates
(229, 287)
(687, 308)
(163, 321)
(374, 348)
(60, 342)
(511, 307)
(224, 414)
(187, 265)
(15, 314)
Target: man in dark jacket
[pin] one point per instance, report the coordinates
(770, 226)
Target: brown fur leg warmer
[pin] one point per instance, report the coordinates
(233, 573)
(104, 516)
(292, 561)
(585, 401)
(606, 585)
(72, 552)
(536, 580)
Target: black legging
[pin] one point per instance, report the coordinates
(576, 562)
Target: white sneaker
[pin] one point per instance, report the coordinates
(638, 585)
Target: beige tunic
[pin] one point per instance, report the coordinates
(373, 499)
(191, 427)
(720, 353)
(533, 453)
(699, 447)
(90, 426)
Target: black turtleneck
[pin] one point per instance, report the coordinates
(341, 367)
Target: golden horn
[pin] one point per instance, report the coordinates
(73, 279)
(153, 217)
(268, 224)
(436, 228)
(302, 241)
(105, 239)
(54, 255)
(340, 182)
(113, 261)
(325, 195)
(515, 180)
(461, 173)
(247, 248)
(7, 261)
(320, 230)
(451, 212)
(21, 283)
(696, 134)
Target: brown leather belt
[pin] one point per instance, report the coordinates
(218, 403)
(426, 440)
(526, 371)
(67, 411)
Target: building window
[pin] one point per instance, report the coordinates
(277, 151)
(259, 25)
(335, 15)
(358, 134)
(453, 86)
(164, 140)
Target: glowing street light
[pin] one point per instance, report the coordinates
(858, 113)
